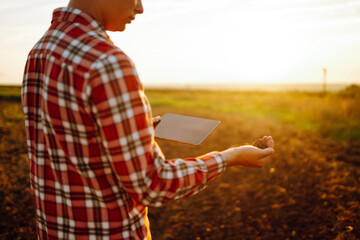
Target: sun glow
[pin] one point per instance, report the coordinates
(211, 41)
(246, 42)
(267, 49)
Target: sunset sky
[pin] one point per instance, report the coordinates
(212, 41)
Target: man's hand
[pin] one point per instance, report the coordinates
(156, 120)
(250, 156)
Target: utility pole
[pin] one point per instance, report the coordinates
(324, 78)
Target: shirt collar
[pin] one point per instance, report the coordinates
(73, 15)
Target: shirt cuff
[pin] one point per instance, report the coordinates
(216, 164)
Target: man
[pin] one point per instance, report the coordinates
(95, 166)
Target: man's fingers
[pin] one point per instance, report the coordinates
(264, 142)
(270, 142)
(267, 152)
(156, 119)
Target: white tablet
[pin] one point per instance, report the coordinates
(184, 129)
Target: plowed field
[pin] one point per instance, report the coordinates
(309, 190)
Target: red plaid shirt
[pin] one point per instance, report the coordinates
(95, 166)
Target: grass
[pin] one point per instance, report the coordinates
(334, 115)
(10, 93)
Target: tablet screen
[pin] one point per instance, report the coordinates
(184, 129)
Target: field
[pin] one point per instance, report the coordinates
(309, 190)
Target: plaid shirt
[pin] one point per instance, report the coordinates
(94, 163)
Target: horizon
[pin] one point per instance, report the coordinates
(270, 87)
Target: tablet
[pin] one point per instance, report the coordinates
(184, 129)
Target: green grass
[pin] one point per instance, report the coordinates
(334, 115)
(10, 93)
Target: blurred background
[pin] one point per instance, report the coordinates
(290, 69)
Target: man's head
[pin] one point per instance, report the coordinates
(113, 14)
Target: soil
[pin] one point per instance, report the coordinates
(309, 190)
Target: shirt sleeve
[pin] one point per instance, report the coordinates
(123, 114)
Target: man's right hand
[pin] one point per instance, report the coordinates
(156, 120)
(248, 155)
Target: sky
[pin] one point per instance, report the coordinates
(211, 41)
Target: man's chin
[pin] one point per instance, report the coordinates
(117, 28)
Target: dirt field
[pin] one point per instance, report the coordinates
(310, 189)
